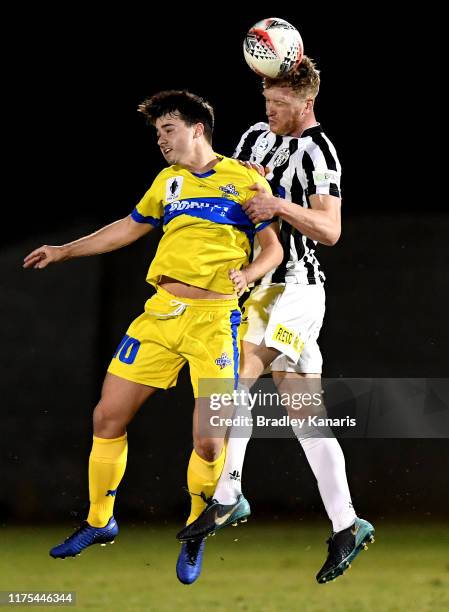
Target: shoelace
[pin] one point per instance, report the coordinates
(84, 527)
(180, 307)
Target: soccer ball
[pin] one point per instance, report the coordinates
(273, 47)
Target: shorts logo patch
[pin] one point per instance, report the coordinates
(287, 336)
(223, 361)
(173, 188)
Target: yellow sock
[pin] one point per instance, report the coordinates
(107, 463)
(202, 477)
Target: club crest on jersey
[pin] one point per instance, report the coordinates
(173, 188)
(262, 146)
(229, 188)
(223, 361)
(281, 157)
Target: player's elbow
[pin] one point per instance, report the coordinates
(275, 253)
(279, 254)
(332, 238)
(331, 235)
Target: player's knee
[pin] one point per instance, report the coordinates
(208, 449)
(106, 420)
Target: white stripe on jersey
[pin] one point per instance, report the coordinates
(299, 167)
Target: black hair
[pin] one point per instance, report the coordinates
(190, 107)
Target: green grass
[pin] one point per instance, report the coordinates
(255, 567)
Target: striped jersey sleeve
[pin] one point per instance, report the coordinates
(322, 170)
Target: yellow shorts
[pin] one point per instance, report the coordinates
(173, 331)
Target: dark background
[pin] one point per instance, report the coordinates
(81, 157)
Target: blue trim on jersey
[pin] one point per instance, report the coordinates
(263, 225)
(217, 210)
(236, 317)
(281, 191)
(141, 219)
(205, 174)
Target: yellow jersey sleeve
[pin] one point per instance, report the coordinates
(150, 209)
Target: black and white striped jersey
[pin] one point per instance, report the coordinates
(300, 167)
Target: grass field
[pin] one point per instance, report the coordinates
(254, 567)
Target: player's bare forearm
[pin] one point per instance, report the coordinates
(270, 256)
(108, 238)
(322, 223)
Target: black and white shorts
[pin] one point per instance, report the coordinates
(288, 318)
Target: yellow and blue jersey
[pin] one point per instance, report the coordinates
(206, 232)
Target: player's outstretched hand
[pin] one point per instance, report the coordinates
(239, 279)
(44, 255)
(257, 167)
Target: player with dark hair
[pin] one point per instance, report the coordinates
(200, 268)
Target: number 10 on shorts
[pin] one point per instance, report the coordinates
(127, 349)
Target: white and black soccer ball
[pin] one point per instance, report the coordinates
(273, 47)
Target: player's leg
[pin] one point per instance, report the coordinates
(142, 363)
(322, 449)
(205, 466)
(210, 343)
(302, 308)
(203, 472)
(350, 534)
(208, 457)
(254, 360)
(212, 347)
(229, 506)
(120, 400)
(256, 356)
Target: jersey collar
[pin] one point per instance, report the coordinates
(211, 171)
(311, 131)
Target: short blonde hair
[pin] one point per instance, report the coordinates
(305, 79)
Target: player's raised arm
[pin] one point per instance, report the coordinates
(108, 238)
(321, 222)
